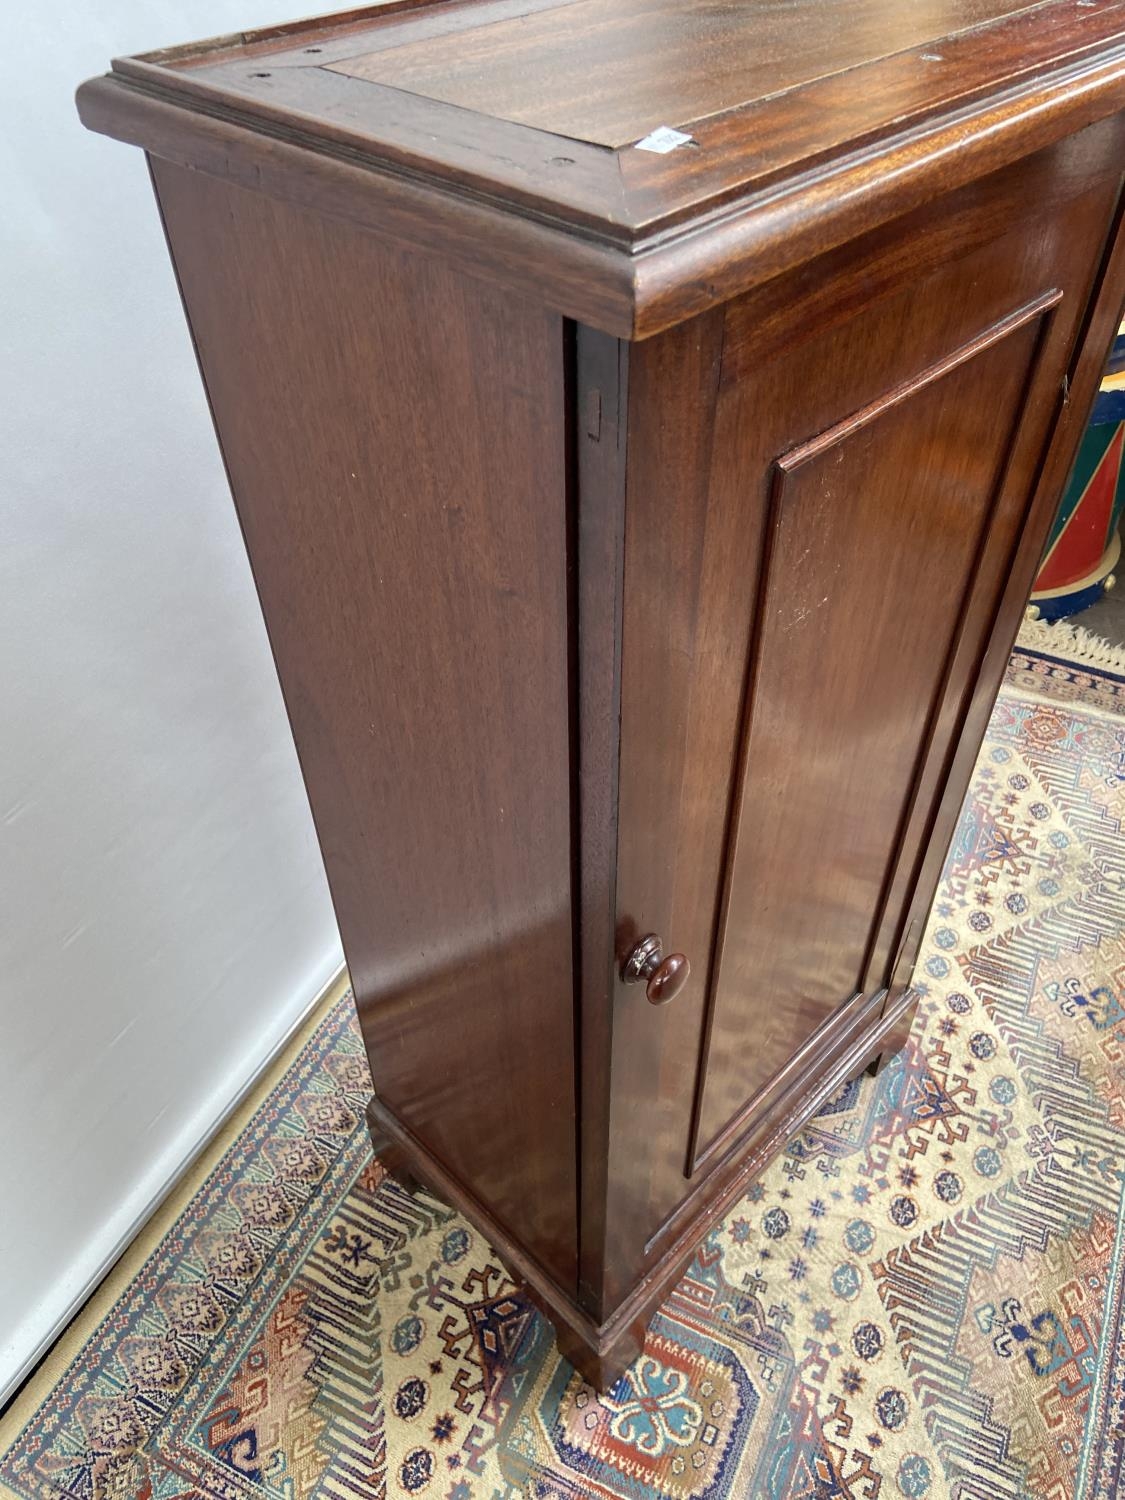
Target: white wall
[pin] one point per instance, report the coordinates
(163, 915)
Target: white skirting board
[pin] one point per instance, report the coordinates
(29, 1361)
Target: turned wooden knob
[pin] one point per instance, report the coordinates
(663, 978)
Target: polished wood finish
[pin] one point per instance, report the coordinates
(641, 538)
(667, 980)
(633, 65)
(625, 240)
(745, 644)
(853, 622)
(412, 484)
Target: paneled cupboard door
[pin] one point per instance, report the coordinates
(824, 502)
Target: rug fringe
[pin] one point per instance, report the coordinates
(1073, 642)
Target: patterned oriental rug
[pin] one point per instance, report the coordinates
(922, 1297)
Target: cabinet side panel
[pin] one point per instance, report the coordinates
(395, 440)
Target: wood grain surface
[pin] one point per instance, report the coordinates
(796, 149)
(632, 65)
(820, 529)
(396, 447)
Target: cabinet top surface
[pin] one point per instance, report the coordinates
(612, 71)
(544, 108)
(760, 86)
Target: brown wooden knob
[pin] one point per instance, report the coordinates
(663, 978)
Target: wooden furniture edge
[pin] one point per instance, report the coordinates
(581, 276)
(598, 503)
(597, 1349)
(1105, 307)
(618, 279)
(452, 148)
(355, 17)
(772, 231)
(859, 1044)
(705, 1156)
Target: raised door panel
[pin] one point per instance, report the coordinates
(873, 542)
(827, 488)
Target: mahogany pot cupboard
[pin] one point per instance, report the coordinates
(644, 417)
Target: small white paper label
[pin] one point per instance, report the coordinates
(662, 140)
